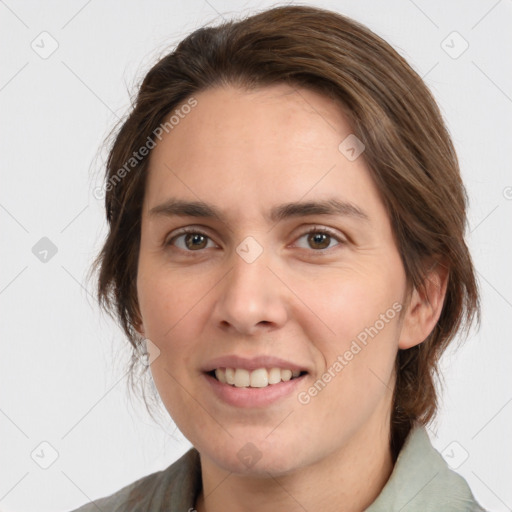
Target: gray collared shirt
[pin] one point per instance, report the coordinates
(421, 481)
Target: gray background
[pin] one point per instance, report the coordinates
(62, 369)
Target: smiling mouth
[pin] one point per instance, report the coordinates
(259, 378)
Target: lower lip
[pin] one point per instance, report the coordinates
(253, 397)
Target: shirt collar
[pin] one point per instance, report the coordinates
(421, 481)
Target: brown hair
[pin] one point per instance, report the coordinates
(408, 151)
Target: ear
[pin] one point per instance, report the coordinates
(138, 325)
(136, 319)
(424, 308)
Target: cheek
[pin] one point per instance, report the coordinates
(166, 300)
(167, 307)
(355, 370)
(345, 303)
(355, 330)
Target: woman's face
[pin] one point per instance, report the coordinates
(288, 263)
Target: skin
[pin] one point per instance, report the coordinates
(301, 300)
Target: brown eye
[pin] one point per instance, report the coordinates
(191, 241)
(319, 239)
(195, 241)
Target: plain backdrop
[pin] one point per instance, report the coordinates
(69, 432)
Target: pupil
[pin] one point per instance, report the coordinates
(320, 239)
(195, 241)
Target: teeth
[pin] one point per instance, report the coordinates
(242, 378)
(274, 376)
(259, 378)
(286, 375)
(230, 375)
(221, 376)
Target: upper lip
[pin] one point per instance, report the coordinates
(251, 363)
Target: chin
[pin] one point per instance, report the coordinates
(256, 458)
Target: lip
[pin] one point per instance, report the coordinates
(252, 363)
(253, 397)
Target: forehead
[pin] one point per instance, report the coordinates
(265, 119)
(252, 148)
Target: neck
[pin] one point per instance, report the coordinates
(349, 479)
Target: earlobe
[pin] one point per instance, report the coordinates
(424, 308)
(137, 322)
(139, 327)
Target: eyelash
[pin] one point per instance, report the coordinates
(314, 229)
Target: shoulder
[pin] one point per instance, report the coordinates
(174, 488)
(422, 481)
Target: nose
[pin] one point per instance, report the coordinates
(250, 298)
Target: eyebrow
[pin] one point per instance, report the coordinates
(177, 207)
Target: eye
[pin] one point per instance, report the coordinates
(191, 240)
(319, 239)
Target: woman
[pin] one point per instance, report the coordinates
(286, 242)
